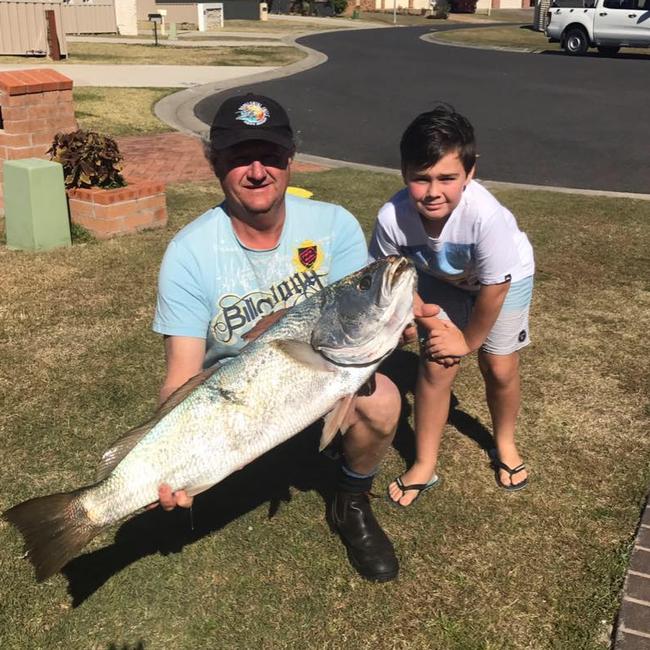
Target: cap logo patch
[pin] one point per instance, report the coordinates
(252, 114)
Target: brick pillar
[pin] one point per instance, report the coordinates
(34, 106)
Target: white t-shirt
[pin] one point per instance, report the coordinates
(479, 244)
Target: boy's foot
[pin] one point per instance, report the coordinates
(509, 469)
(413, 482)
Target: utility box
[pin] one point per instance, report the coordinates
(36, 211)
(264, 11)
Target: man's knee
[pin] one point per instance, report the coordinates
(380, 410)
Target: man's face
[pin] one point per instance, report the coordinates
(437, 190)
(254, 175)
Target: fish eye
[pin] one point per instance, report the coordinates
(365, 283)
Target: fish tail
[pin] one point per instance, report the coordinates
(55, 529)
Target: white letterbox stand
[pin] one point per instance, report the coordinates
(210, 15)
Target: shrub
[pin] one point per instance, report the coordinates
(89, 159)
(440, 9)
(339, 6)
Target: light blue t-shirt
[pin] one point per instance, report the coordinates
(211, 286)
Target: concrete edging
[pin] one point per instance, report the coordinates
(432, 38)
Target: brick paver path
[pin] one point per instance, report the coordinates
(173, 158)
(634, 616)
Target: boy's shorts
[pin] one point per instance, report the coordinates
(510, 331)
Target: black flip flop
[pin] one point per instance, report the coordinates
(420, 487)
(497, 465)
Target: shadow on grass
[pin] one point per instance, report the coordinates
(296, 463)
(402, 368)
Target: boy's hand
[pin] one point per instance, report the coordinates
(445, 343)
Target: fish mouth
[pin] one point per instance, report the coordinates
(400, 270)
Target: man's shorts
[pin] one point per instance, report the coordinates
(510, 331)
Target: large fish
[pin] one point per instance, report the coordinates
(308, 364)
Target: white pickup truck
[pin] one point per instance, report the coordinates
(605, 24)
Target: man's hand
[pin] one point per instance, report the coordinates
(169, 500)
(445, 343)
(263, 324)
(409, 335)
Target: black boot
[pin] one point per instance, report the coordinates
(370, 551)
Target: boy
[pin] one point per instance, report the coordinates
(477, 266)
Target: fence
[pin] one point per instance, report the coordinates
(89, 18)
(23, 28)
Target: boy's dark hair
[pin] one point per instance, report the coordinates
(434, 134)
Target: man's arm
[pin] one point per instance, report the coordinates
(184, 356)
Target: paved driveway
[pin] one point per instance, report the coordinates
(542, 119)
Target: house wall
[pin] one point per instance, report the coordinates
(484, 5)
(187, 12)
(23, 29)
(176, 13)
(126, 17)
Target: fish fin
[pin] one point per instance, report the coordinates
(120, 448)
(335, 420)
(112, 457)
(55, 529)
(303, 353)
(183, 391)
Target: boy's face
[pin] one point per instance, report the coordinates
(437, 190)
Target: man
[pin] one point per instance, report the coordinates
(233, 271)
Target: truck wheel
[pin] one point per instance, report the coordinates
(575, 42)
(608, 50)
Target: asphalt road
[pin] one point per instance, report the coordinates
(546, 119)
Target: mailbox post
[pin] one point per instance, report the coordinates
(156, 19)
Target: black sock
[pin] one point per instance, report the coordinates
(352, 482)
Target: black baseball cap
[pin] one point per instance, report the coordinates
(250, 117)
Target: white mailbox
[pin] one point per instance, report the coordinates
(210, 16)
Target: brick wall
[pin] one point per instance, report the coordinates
(34, 106)
(105, 213)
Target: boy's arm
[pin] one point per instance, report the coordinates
(446, 341)
(485, 313)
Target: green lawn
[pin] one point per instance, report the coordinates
(480, 569)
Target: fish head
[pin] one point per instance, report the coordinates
(364, 314)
